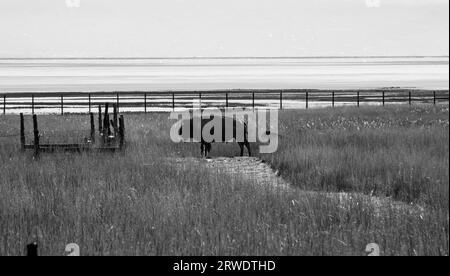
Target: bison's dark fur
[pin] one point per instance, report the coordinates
(205, 147)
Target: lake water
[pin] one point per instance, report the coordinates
(91, 75)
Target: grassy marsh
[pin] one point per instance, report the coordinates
(136, 203)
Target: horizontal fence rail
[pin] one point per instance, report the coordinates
(165, 101)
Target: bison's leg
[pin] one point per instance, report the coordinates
(247, 145)
(241, 145)
(202, 147)
(207, 149)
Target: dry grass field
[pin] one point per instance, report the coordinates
(139, 203)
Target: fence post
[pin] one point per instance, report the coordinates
(253, 100)
(357, 98)
(332, 98)
(226, 100)
(121, 132)
(117, 101)
(4, 104)
(307, 98)
(100, 127)
(434, 97)
(106, 128)
(36, 136)
(92, 127)
(145, 102)
(409, 97)
(89, 100)
(22, 132)
(383, 98)
(115, 120)
(32, 103)
(62, 104)
(173, 101)
(281, 100)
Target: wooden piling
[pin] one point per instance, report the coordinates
(115, 120)
(100, 125)
(253, 100)
(306, 99)
(434, 97)
(4, 104)
(32, 103)
(332, 98)
(145, 102)
(22, 132)
(383, 98)
(409, 98)
(357, 98)
(106, 124)
(226, 100)
(92, 128)
(62, 105)
(281, 100)
(106, 108)
(173, 101)
(117, 101)
(89, 100)
(36, 136)
(121, 132)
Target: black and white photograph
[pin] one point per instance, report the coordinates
(225, 135)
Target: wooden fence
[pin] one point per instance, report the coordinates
(108, 140)
(83, 102)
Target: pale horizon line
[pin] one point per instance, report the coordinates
(223, 57)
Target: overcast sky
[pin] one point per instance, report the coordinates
(187, 28)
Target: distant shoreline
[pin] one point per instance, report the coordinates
(213, 58)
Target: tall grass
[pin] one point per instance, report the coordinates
(138, 203)
(399, 152)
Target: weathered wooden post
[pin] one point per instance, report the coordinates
(173, 101)
(226, 100)
(62, 104)
(92, 128)
(4, 104)
(200, 99)
(253, 100)
(32, 103)
(32, 249)
(332, 98)
(100, 126)
(22, 132)
(115, 120)
(281, 100)
(434, 97)
(145, 102)
(89, 100)
(117, 101)
(307, 98)
(36, 136)
(357, 98)
(121, 132)
(409, 97)
(106, 128)
(383, 98)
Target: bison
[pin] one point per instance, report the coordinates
(205, 146)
